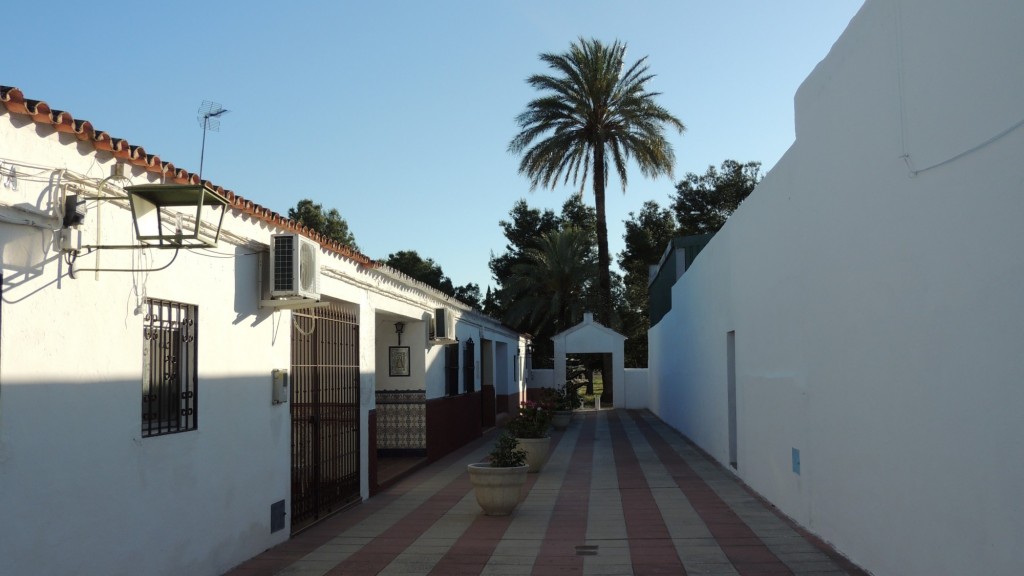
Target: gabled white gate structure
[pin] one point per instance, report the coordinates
(591, 337)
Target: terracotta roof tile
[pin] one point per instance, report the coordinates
(15, 102)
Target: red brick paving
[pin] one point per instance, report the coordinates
(741, 546)
(651, 548)
(650, 544)
(567, 527)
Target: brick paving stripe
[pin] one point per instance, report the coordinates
(650, 544)
(622, 494)
(748, 553)
(471, 552)
(567, 527)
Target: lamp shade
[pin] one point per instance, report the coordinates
(177, 216)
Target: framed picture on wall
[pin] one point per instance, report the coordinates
(398, 360)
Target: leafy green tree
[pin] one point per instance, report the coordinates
(647, 234)
(703, 202)
(578, 215)
(523, 226)
(410, 263)
(548, 289)
(595, 112)
(329, 223)
(470, 294)
(490, 304)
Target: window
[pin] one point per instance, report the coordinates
(169, 368)
(451, 369)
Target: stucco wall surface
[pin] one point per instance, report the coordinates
(81, 491)
(872, 284)
(76, 475)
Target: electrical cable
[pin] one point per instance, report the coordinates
(913, 172)
(72, 271)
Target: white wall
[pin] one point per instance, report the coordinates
(75, 473)
(80, 490)
(636, 392)
(876, 301)
(542, 378)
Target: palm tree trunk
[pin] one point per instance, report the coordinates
(604, 280)
(604, 277)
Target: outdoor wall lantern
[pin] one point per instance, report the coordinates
(158, 211)
(399, 328)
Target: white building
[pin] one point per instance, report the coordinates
(146, 423)
(852, 341)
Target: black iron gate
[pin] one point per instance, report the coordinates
(325, 413)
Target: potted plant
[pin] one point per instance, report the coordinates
(498, 482)
(565, 400)
(530, 429)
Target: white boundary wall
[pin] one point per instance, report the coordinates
(878, 314)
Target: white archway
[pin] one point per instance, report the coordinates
(590, 337)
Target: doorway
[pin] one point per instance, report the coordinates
(730, 352)
(325, 413)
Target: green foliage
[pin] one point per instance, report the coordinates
(470, 294)
(410, 263)
(647, 235)
(566, 396)
(524, 225)
(548, 289)
(595, 112)
(506, 452)
(329, 223)
(703, 203)
(533, 420)
(513, 270)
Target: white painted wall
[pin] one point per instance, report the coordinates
(75, 474)
(542, 378)
(80, 490)
(877, 311)
(636, 392)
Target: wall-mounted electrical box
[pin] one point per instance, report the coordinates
(280, 385)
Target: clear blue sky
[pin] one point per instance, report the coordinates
(398, 114)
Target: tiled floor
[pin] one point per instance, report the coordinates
(621, 494)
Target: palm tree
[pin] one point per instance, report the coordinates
(548, 290)
(593, 112)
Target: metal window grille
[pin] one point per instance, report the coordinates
(451, 369)
(470, 367)
(169, 380)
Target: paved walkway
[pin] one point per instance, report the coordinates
(621, 494)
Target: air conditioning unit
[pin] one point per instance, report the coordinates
(443, 327)
(294, 267)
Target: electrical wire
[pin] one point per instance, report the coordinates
(72, 271)
(222, 255)
(973, 149)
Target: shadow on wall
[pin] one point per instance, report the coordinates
(72, 454)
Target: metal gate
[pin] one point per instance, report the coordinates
(325, 413)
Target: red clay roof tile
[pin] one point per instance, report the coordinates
(15, 102)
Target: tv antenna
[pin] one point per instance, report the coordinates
(209, 119)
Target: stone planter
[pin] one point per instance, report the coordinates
(497, 489)
(561, 419)
(536, 451)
